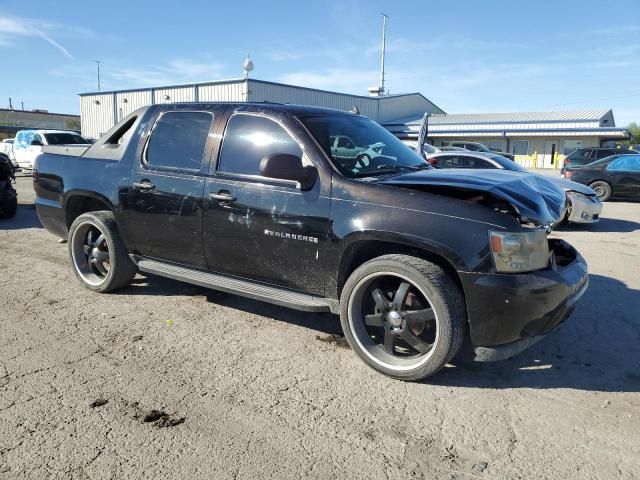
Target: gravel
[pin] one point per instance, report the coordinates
(168, 380)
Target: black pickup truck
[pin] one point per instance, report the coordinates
(249, 199)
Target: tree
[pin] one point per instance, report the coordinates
(634, 128)
(72, 124)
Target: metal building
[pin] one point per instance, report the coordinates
(99, 111)
(537, 139)
(11, 121)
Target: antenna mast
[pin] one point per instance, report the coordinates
(384, 35)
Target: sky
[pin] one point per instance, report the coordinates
(466, 56)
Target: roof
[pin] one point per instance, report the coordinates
(251, 80)
(511, 117)
(2, 110)
(251, 106)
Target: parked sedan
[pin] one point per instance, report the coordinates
(617, 175)
(584, 156)
(583, 206)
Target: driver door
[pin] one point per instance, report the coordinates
(260, 228)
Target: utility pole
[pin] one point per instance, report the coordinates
(98, 62)
(384, 35)
(10, 104)
(22, 104)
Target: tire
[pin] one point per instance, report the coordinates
(9, 210)
(98, 256)
(602, 189)
(400, 347)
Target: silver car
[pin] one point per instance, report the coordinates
(584, 206)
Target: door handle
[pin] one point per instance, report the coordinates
(222, 196)
(144, 185)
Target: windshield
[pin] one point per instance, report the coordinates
(360, 147)
(64, 138)
(507, 164)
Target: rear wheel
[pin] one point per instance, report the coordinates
(602, 189)
(403, 315)
(98, 256)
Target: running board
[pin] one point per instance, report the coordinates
(257, 291)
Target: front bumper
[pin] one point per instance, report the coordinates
(509, 312)
(584, 209)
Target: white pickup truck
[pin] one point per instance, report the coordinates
(28, 144)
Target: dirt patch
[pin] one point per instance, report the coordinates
(335, 339)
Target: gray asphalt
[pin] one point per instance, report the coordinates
(167, 380)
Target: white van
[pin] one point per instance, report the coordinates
(28, 144)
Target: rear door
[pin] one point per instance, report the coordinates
(165, 196)
(624, 175)
(259, 228)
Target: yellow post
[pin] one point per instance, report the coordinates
(555, 160)
(534, 157)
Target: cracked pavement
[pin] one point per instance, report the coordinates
(168, 380)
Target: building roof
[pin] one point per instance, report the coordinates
(37, 112)
(511, 117)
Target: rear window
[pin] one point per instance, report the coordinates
(64, 138)
(178, 140)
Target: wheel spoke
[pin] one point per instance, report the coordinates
(100, 268)
(99, 240)
(381, 301)
(389, 342)
(425, 315)
(86, 249)
(415, 342)
(102, 256)
(401, 295)
(374, 320)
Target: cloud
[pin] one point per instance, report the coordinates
(11, 27)
(340, 79)
(173, 72)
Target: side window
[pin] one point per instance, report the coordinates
(626, 163)
(248, 139)
(178, 140)
(478, 163)
(448, 161)
(586, 154)
(343, 142)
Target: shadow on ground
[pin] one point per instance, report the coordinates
(597, 349)
(25, 218)
(612, 225)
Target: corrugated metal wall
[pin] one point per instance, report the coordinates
(175, 94)
(221, 92)
(113, 106)
(273, 92)
(127, 102)
(96, 114)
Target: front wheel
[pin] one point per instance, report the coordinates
(602, 189)
(98, 256)
(404, 316)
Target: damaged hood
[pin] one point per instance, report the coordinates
(536, 198)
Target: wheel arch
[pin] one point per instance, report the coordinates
(78, 202)
(365, 248)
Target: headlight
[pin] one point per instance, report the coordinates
(519, 252)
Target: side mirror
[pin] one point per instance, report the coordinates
(284, 166)
(36, 143)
